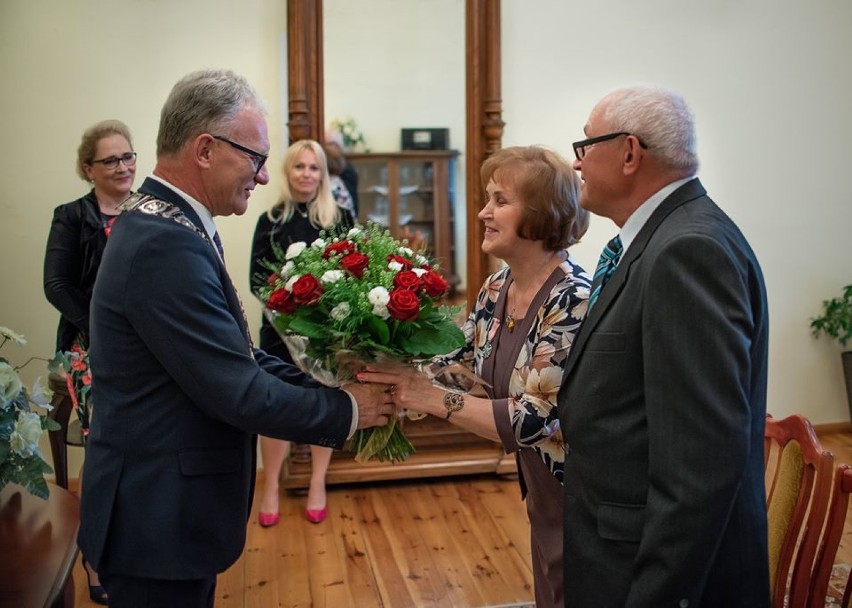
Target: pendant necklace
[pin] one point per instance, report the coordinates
(302, 211)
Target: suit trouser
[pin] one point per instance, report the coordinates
(133, 592)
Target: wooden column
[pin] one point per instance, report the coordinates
(484, 124)
(305, 70)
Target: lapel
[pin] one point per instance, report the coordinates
(687, 192)
(163, 192)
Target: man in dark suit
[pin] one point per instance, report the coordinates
(180, 391)
(663, 400)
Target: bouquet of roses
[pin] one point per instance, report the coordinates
(355, 297)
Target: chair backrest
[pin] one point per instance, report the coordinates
(827, 553)
(798, 487)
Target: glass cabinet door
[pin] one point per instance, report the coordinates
(410, 193)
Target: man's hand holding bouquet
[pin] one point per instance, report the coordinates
(354, 298)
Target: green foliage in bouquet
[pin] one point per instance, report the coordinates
(21, 428)
(355, 297)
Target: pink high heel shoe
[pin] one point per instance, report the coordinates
(316, 516)
(268, 519)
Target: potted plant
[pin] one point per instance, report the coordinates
(836, 322)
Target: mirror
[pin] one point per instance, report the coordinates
(483, 106)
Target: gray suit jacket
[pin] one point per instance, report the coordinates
(662, 407)
(178, 398)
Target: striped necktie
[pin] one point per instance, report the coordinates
(606, 266)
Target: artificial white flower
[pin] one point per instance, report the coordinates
(10, 383)
(341, 311)
(332, 276)
(295, 249)
(13, 336)
(24, 439)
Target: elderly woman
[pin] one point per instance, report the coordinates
(78, 235)
(518, 334)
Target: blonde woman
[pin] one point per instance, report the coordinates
(306, 207)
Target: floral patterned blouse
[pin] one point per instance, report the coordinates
(537, 374)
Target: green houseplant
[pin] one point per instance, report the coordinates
(836, 322)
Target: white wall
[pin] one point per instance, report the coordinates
(767, 81)
(770, 87)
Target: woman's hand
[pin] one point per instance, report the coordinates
(409, 388)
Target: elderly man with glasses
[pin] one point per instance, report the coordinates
(664, 393)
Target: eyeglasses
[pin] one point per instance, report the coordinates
(580, 146)
(111, 162)
(257, 159)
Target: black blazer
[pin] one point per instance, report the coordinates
(663, 404)
(170, 460)
(75, 245)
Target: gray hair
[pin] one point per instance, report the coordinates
(205, 101)
(661, 119)
(92, 137)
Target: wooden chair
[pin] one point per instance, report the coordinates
(69, 432)
(842, 487)
(798, 487)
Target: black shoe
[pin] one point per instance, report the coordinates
(96, 592)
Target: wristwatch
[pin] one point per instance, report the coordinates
(453, 402)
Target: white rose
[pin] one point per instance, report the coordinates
(332, 276)
(318, 244)
(419, 271)
(24, 439)
(286, 269)
(340, 312)
(394, 265)
(378, 295)
(295, 249)
(380, 310)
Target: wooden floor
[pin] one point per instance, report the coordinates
(456, 542)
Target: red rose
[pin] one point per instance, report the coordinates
(434, 284)
(282, 301)
(354, 263)
(307, 290)
(406, 263)
(406, 279)
(404, 305)
(340, 248)
(273, 278)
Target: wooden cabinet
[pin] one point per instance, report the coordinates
(412, 190)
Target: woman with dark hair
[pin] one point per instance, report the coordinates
(519, 334)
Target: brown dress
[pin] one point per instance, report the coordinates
(542, 491)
